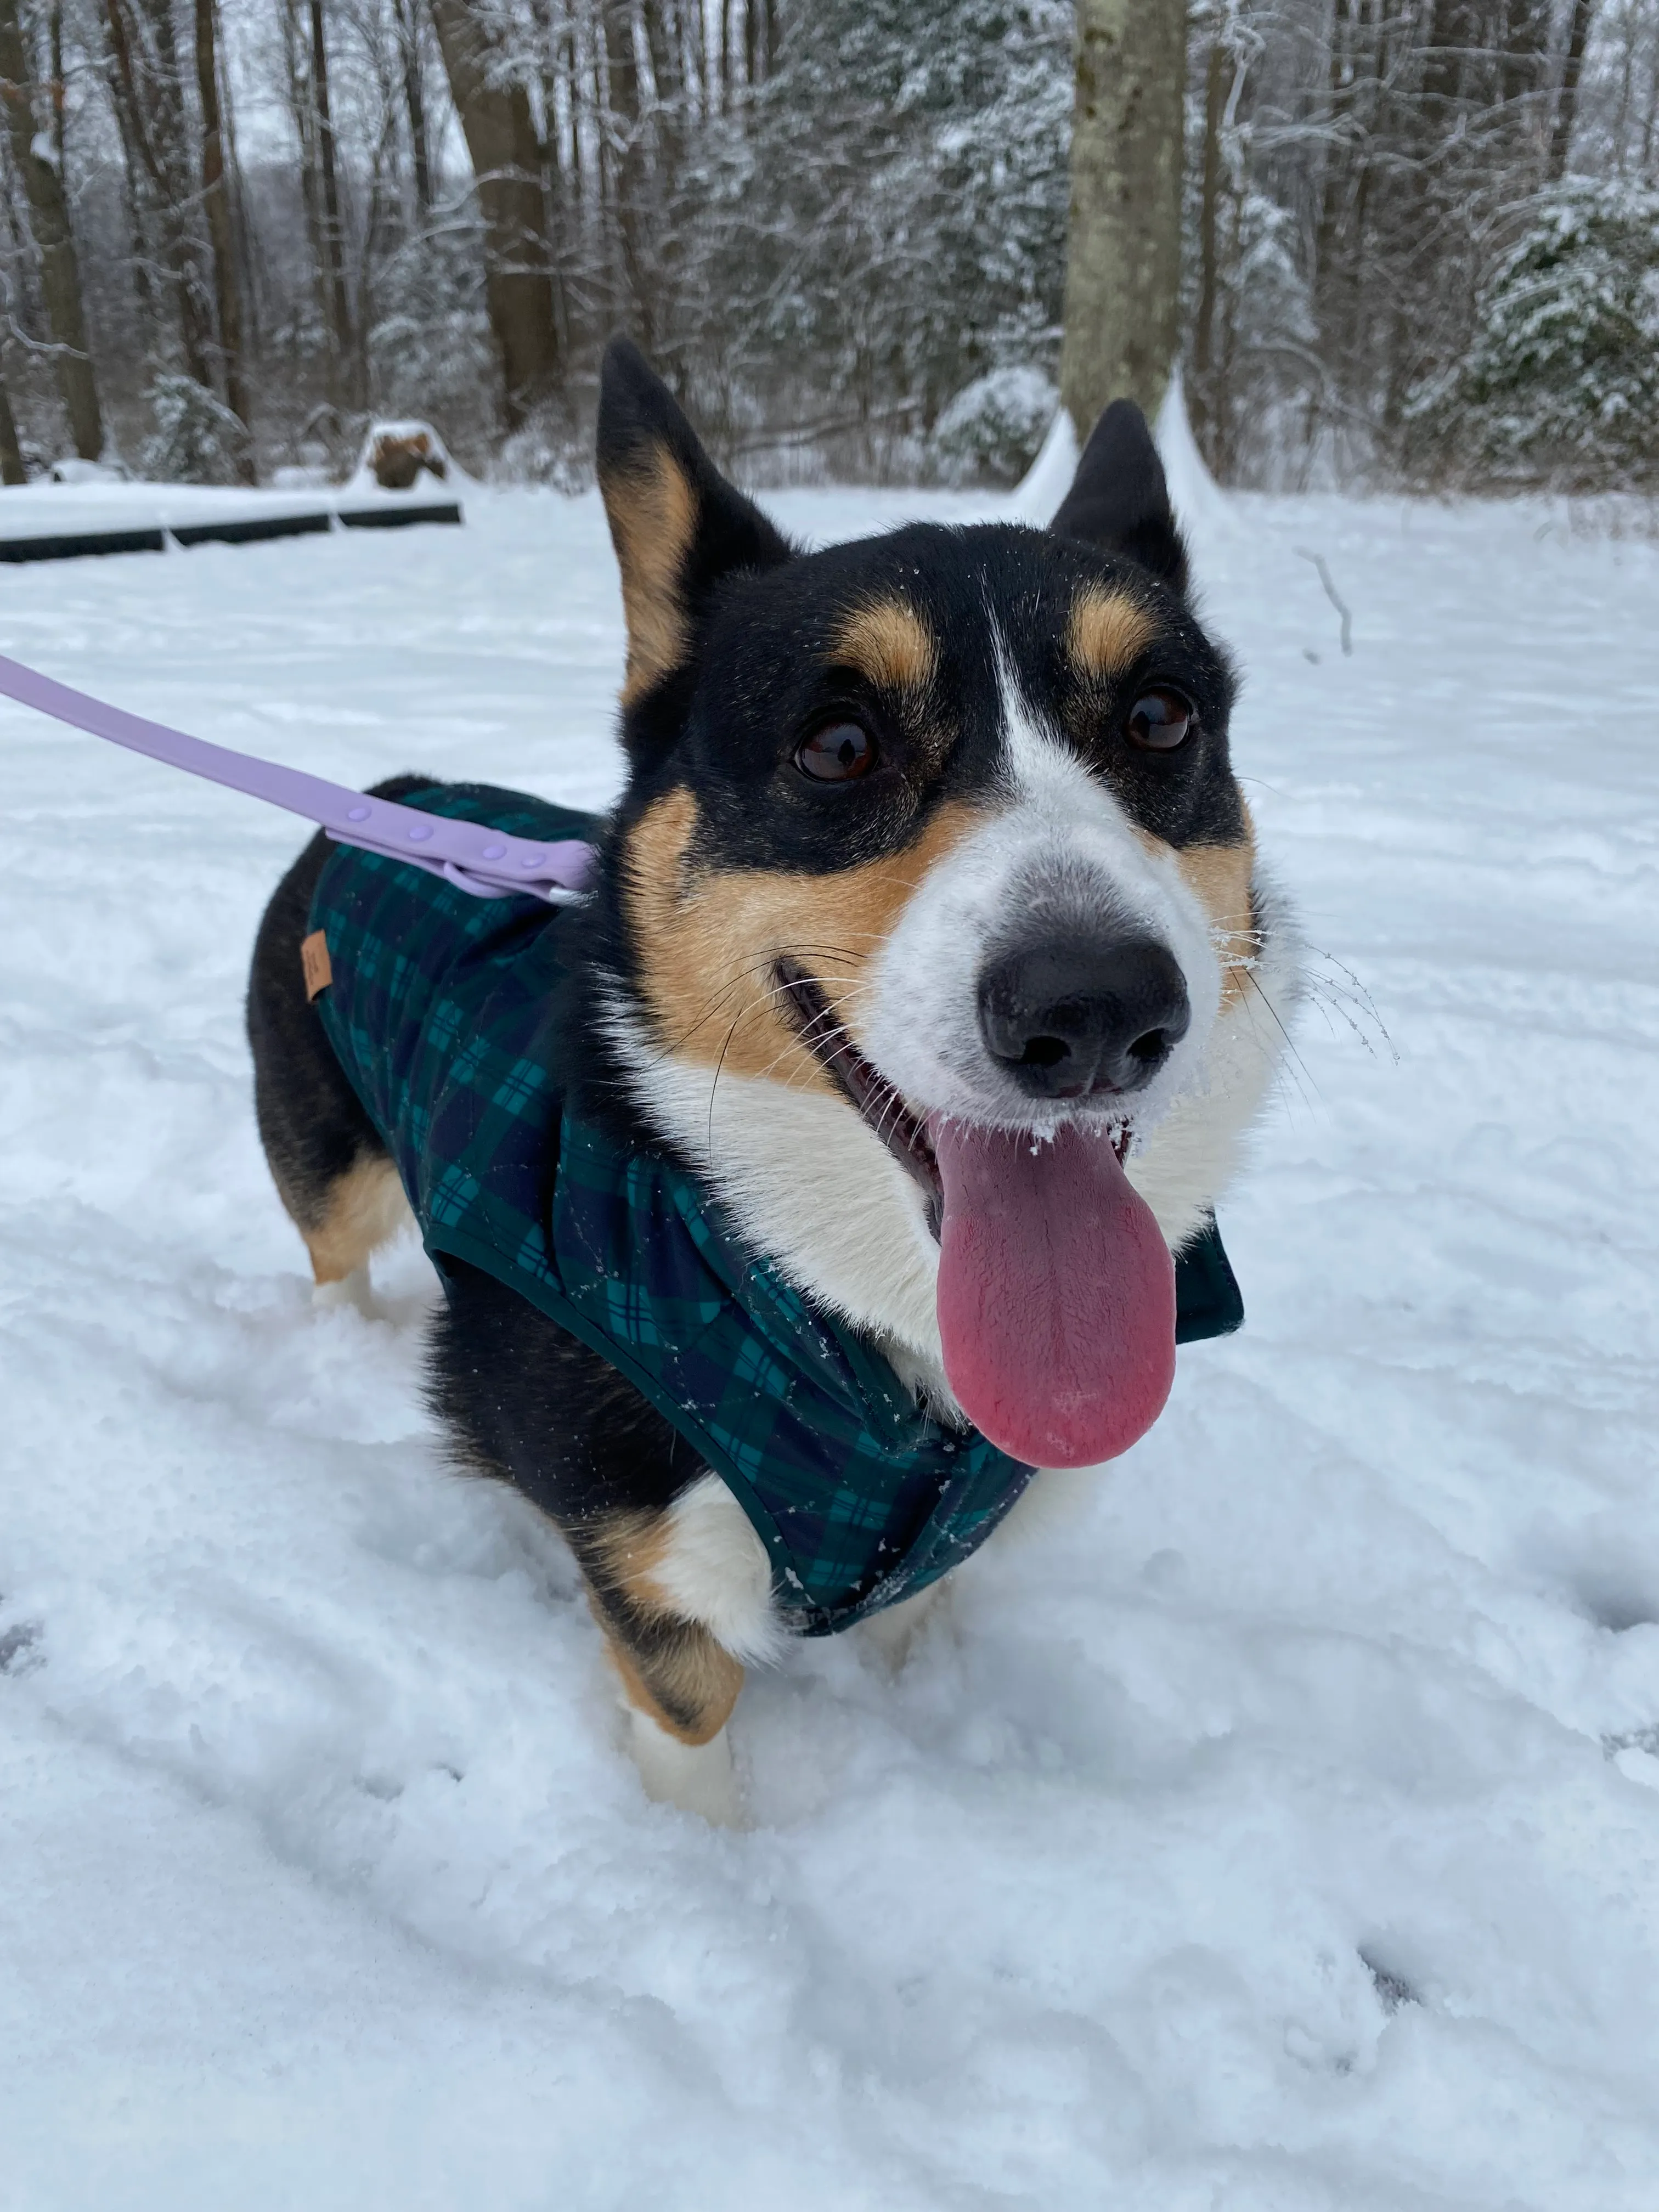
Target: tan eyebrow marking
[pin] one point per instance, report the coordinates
(1107, 631)
(888, 642)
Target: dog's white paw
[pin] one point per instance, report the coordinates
(893, 1632)
(353, 1290)
(697, 1778)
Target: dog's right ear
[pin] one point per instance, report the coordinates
(1120, 500)
(676, 523)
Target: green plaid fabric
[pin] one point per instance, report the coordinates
(444, 1014)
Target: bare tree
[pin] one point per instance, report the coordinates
(1572, 69)
(841, 225)
(215, 199)
(408, 35)
(494, 108)
(149, 87)
(12, 470)
(38, 164)
(1208, 387)
(331, 227)
(1123, 242)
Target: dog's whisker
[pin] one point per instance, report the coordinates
(716, 1085)
(1291, 1049)
(735, 981)
(1334, 987)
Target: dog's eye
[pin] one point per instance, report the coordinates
(838, 754)
(1160, 720)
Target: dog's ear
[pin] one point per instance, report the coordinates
(676, 523)
(1119, 499)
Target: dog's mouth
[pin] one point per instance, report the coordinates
(1056, 1291)
(863, 1085)
(875, 1101)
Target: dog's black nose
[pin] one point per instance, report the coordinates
(1066, 1017)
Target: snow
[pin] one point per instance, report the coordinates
(1281, 1833)
(1046, 483)
(1207, 514)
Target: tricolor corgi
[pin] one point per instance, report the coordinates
(824, 1171)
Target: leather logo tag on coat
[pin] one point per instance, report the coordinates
(314, 961)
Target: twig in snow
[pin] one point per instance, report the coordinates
(1332, 594)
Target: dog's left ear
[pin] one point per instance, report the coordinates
(676, 523)
(1119, 499)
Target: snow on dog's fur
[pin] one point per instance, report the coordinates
(929, 842)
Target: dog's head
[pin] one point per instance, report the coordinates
(931, 869)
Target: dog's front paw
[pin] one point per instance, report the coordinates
(892, 1632)
(697, 1778)
(353, 1290)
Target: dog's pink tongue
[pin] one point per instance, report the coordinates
(1056, 1294)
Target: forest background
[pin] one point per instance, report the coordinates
(1418, 240)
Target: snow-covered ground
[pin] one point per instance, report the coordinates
(1284, 1837)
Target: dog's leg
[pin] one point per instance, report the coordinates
(677, 1694)
(679, 1581)
(360, 1211)
(355, 1290)
(331, 1172)
(695, 1777)
(893, 1632)
(678, 1681)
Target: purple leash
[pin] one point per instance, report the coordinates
(486, 862)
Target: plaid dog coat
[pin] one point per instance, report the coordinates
(443, 1011)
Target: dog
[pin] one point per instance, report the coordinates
(818, 1177)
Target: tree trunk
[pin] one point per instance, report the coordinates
(138, 231)
(1124, 240)
(12, 470)
(149, 93)
(296, 52)
(1205, 398)
(1566, 103)
(1526, 81)
(347, 381)
(1526, 49)
(58, 87)
(754, 42)
(662, 43)
(1332, 198)
(409, 32)
(60, 274)
(560, 146)
(500, 137)
(247, 258)
(609, 163)
(627, 114)
(215, 198)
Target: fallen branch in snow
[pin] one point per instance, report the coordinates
(1332, 594)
